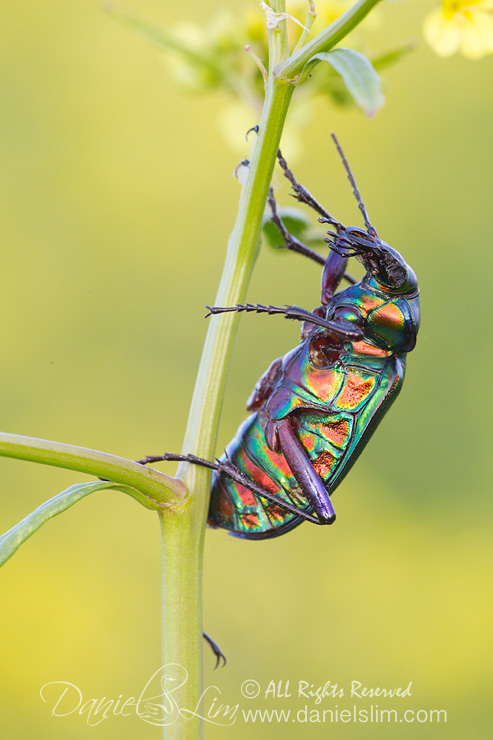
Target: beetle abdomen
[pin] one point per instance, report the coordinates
(333, 437)
(235, 507)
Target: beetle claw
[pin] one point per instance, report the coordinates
(216, 650)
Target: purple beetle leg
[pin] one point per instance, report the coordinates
(290, 242)
(304, 472)
(227, 468)
(303, 195)
(346, 329)
(264, 386)
(332, 274)
(172, 457)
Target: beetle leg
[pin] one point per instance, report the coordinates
(335, 264)
(345, 329)
(171, 456)
(332, 274)
(232, 472)
(290, 241)
(304, 472)
(254, 128)
(264, 386)
(215, 649)
(227, 468)
(295, 245)
(303, 195)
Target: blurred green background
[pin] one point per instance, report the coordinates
(116, 200)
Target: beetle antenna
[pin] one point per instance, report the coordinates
(368, 224)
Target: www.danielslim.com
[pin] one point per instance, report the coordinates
(373, 714)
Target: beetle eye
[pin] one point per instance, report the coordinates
(323, 352)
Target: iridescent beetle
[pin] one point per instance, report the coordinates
(314, 410)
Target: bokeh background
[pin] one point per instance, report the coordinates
(117, 197)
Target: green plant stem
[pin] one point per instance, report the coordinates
(183, 533)
(161, 488)
(292, 67)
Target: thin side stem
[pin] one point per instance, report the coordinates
(293, 67)
(311, 17)
(160, 487)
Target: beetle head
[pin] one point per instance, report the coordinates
(380, 261)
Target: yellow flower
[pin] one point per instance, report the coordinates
(461, 26)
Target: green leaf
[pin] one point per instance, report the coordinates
(358, 74)
(15, 537)
(329, 83)
(296, 221)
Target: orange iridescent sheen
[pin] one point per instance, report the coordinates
(319, 404)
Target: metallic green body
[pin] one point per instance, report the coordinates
(334, 408)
